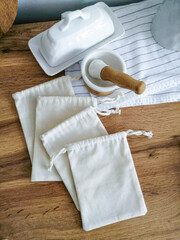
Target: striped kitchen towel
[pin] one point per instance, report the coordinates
(145, 59)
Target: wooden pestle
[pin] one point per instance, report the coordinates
(122, 80)
(100, 70)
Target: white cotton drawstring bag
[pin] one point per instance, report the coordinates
(84, 125)
(51, 111)
(25, 102)
(105, 179)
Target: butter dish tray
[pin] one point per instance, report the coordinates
(77, 34)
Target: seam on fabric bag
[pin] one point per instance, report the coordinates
(44, 100)
(92, 141)
(55, 131)
(68, 86)
(38, 87)
(136, 186)
(113, 220)
(107, 138)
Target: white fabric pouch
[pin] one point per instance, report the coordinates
(81, 126)
(105, 179)
(25, 102)
(51, 111)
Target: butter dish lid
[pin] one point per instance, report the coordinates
(77, 31)
(73, 22)
(114, 30)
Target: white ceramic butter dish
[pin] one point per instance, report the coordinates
(78, 33)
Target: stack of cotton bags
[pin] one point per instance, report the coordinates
(67, 142)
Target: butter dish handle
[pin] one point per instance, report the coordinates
(69, 16)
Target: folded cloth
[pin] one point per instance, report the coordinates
(81, 126)
(145, 59)
(105, 179)
(26, 104)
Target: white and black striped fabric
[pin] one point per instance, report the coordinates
(145, 59)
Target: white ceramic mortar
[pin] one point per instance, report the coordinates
(110, 58)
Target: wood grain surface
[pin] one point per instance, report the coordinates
(45, 210)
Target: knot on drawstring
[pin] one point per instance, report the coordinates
(54, 157)
(116, 111)
(107, 112)
(138, 133)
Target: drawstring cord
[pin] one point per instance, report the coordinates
(78, 77)
(110, 100)
(103, 112)
(128, 132)
(54, 157)
(100, 100)
(138, 133)
(107, 112)
(107, 100)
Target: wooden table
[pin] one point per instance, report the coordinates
(45, 210)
